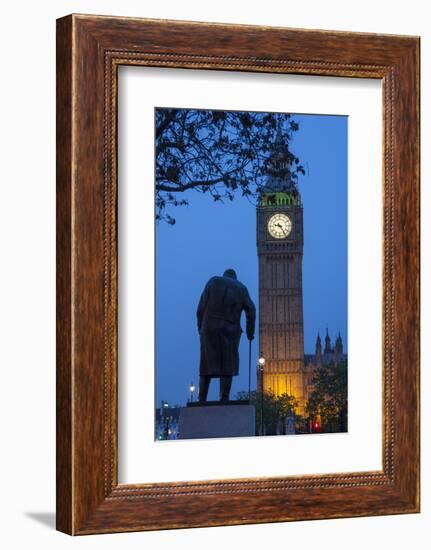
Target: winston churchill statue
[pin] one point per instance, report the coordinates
(219, 325)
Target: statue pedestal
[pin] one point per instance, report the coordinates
(213, 419)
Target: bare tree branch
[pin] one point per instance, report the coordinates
(216, 152)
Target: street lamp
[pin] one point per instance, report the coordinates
(260, 365)
(165, 419)
(261, 362)
(192, 391)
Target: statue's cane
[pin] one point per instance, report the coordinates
(249, 368)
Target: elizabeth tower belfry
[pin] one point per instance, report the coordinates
(280, 247)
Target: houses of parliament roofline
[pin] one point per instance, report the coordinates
(329, 354)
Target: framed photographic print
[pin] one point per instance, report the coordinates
(237, 274)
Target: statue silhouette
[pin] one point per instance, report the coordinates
(219, 325)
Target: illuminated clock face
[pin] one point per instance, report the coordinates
(279, 226)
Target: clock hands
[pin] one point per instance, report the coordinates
(282, 228)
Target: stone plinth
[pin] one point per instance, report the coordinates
(233, 419)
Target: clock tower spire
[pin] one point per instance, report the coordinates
(280, 249)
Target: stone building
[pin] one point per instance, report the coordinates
(167, 422)
(329, 355)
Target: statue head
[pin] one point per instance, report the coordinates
(230, 273)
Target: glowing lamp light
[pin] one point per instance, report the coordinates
(192, 391)
(261, 361)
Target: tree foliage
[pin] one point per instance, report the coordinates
(221, 153)
(272, 409)
(328, 400)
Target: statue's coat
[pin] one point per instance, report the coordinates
(219, 315)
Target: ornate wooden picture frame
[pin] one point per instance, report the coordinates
(89, 51)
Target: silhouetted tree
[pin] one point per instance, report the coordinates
(221, 153)
(328, 400)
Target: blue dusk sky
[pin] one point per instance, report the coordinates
(209, 237)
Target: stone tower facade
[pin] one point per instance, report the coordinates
(280, 240)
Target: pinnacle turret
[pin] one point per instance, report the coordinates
(327, 342)
(318, 346)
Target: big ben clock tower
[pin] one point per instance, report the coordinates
(280, 249)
